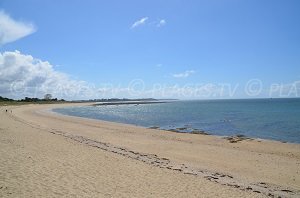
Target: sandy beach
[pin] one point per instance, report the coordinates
(44, 154)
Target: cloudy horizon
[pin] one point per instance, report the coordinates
(156, 55)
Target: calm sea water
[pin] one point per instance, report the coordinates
(277, 119)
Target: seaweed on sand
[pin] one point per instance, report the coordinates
(237, 138)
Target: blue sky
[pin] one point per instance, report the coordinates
(174, 43)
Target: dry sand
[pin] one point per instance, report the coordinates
(43, 154)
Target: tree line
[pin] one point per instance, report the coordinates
(47, 97)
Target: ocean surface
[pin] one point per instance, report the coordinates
(276, 119)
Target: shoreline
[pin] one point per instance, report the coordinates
(231, 138)
(246, 165)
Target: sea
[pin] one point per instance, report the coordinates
(274, 119)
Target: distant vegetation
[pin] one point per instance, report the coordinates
(26, 99)
(5, 99)
(47, 99)
(117, 100)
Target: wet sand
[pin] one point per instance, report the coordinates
(44, 154)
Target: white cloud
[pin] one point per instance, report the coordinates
(142, 21)
(184, 74)
(161, 23)
(22, 75)
(12, 30)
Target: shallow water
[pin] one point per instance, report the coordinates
(277, 119)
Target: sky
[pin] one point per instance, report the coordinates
(185, 49)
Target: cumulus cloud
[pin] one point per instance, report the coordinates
(161, 23)
(184, 74)
(12, 30)
(142, 21)
(22, 75)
